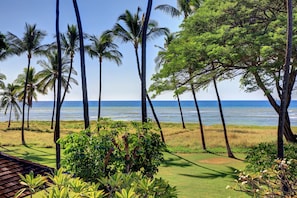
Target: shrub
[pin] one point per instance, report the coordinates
(262, 157)
(277, 181)
(91, 155)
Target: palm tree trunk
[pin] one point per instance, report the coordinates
(24, 100)
(83, 67)
(68, 80)
(229, 152)
(28, 114)
(100, 89)
(284, 98)
(143, 62)
(199, 116)
(149, 100)
(9, 120)
(58, 106)
(54, 106)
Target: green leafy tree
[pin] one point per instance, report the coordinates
(159, 86)
(103, 47)
(49, 76)
(9, 101)
(33, 87)
(244, 39)
(30, 43)
(70, 42)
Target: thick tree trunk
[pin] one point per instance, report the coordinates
(100, 89)
(199, 117)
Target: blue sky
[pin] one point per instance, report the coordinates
(119, 82)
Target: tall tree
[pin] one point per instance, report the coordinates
(249, 42)
(31, 80)
(103, 47)
(70, 44)
(285, 91)
(143, 60)
(83, 66)
(158, 86)
(49, 76)
(132, 32)
(30, 43)
(58, 108)
(9, 101)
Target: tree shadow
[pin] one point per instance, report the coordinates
(189, 163)
(231, 173)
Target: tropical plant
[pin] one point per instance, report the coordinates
(132, 33)
(113, 150)
(49, 76)
(9, 101)
(184, 7)
(33, 87)
(70, 46)
(30, 43)
(102, 47)
(83, 66)
(33, 183)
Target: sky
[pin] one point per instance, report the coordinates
(119, 82)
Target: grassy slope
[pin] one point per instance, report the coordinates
(194, 172)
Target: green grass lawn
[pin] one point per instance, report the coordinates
(196, 175)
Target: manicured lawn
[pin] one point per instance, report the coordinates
(194, 174)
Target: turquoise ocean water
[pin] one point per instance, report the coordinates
(235, 112)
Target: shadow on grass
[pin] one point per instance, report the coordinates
(231, 172)
(183, 162)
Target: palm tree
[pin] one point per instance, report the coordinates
(31, 80)
(102, 47)
(30, 44)
(132, 33)
(49, 76)
(184, 7)
(69, 44)
(9, 101)
(83, 66)
(58, 108)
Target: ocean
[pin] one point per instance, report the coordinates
(235, 112)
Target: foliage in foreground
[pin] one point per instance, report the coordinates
(91, 155)
(263, 156)
(267, 177)
(119, 185)
(277, 181)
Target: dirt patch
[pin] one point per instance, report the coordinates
(217, 160)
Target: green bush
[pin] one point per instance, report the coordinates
(276, 181)
(262, 157)
(91, 155)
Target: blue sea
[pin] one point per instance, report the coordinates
(235, 112)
